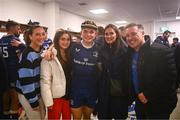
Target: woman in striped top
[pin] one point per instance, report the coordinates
(28, 85)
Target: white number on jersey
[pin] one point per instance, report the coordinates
(4, 51)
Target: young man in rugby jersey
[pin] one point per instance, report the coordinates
(84, 56)
(11, 46)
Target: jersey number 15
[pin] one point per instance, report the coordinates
(4, 51)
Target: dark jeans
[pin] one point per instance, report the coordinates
(160, 109)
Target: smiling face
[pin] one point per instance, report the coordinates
(37, 36)
(88, 35)
(135, 37)
(110, 35)
(64, 41)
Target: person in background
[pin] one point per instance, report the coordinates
(147, 38)
(3, 84)
(28, 84)
(47, 42)
(152, 75)
(84, 56)
(100, 37)
(175, 42)
(11, 46)
(122, 35)
(26, 37)
(56, 77)
(177, 59)
(163, 39)
(113, 87)
(100, 42)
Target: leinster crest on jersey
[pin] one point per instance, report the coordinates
(95, 54)
(77, 50)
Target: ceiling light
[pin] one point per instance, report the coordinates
(178, 17)
(121, 22)
(98, 11)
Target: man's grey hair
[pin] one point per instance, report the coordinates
(140, 26)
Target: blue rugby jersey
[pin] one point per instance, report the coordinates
(47, 43)
(84, 67)
(10, 55)
(29, 76)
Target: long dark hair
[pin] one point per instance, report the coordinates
(114, 28)
(117, 42)
(57, 37)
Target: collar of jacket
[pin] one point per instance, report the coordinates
(54, 51)
(142, 48)
(59, 64)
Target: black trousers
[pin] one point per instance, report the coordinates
(160, 109)
(117, 109)
(2, 116)
(1, 104)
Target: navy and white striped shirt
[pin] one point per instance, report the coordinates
(29, 76)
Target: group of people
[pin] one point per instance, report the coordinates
(72, 80)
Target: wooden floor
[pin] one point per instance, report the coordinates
(176, 113)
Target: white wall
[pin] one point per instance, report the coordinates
(172, 25)
(48, 14)
(149, 28)
(70, 21)
(152, 28)
(50, 17)
(21, 10)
